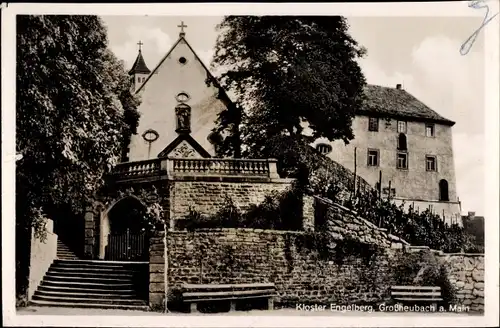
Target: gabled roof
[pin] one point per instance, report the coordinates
(190, 140)
(222, 93)
(398, 103)
(139, 66)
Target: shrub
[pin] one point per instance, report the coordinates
(423, 269)
(418, 228)
(278, 211)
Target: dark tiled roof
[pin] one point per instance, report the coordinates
(393, 102)
(139, 66)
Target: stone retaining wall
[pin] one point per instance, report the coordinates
(466, 273)
(258, 256)
(43, 253)
(207, 197)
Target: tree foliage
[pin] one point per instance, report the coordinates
(74, 112)
(287, 72)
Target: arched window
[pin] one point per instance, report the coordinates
(443, 190)
(324, 148)
(402, 142)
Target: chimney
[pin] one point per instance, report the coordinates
(398, 86)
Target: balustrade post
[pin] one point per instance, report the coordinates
(273, 168)
(167, 165)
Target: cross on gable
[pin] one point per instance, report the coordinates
(140, 44)
(182, 26)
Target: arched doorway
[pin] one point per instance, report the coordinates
(443, 190)
(123, 234)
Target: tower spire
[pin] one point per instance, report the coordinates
(182, 26)
(139, 64)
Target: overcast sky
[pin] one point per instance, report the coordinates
(420, 53)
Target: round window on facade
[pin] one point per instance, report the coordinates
(182, 60)
(182, 97)
(324, 148)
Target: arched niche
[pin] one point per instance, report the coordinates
(125, 214)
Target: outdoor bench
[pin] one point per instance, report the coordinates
(193, 293)
(417, 294)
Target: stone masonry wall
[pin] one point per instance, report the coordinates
(340, 223)
(258, 256)
(301, 275)
(207, 197)
(466, 273)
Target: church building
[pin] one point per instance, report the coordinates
(182, 87)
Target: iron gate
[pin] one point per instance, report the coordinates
(127, 247)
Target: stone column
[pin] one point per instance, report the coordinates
(89, 234)
(308, 213)
(273, 168)
(157, 274)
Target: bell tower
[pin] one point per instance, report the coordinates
(139, 71)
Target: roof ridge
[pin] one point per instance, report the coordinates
(392, 102)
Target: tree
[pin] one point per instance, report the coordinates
(287, 72)
(74, 113)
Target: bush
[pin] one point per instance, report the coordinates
(423, 269)
(278, 211)
(418, 228)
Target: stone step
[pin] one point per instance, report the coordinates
(65, 253)
(87, 294)
(78, 290)
(95, 274)
(111, 301)
(89, 305)
(90, 270)
(88, 285)
(100, 263)
(54, 277)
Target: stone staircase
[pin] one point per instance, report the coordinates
(94, 284)
(64, 252)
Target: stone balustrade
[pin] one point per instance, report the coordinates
(266, 168)
(137, 169)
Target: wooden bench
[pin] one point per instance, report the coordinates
(416, 294)
(194, 294)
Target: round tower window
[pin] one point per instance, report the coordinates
(182, 60)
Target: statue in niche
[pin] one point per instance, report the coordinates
(183, 113)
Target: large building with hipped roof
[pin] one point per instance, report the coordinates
(404, 149)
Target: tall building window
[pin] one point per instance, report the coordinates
(443, 190)
(373, 157)
(429, 130)
(430, 163)
(373, 124)
(401, 126)
(402, 142)
(402, 161)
